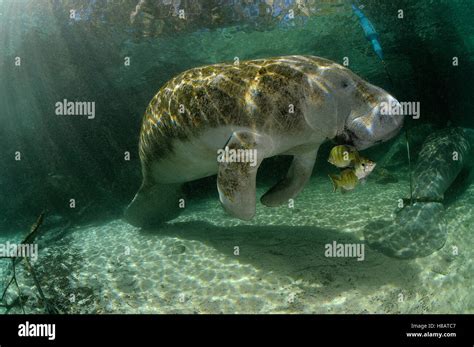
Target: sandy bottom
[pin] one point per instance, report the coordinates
(207, 262)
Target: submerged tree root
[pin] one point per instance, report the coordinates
(16, 260)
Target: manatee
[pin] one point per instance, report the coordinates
(419, 229)
(443, 155)
(286, 105)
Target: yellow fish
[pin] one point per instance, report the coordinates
(347, 180)
(343, 156)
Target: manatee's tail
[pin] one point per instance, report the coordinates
(154, 205)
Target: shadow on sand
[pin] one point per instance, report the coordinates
(299, 253)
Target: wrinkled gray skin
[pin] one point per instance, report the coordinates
(420, 229)
(437, 168)
(416, 231)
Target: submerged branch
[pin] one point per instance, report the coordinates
(34, 229)
(29, 239)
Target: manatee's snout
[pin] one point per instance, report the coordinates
(379, 124)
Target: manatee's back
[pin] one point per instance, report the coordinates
(256, 94)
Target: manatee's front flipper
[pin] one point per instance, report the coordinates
(296, 178)
(153, 205)
(236, 180)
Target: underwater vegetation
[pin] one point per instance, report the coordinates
(135, 129)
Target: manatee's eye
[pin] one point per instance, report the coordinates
(345, 84)
(363, 165)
